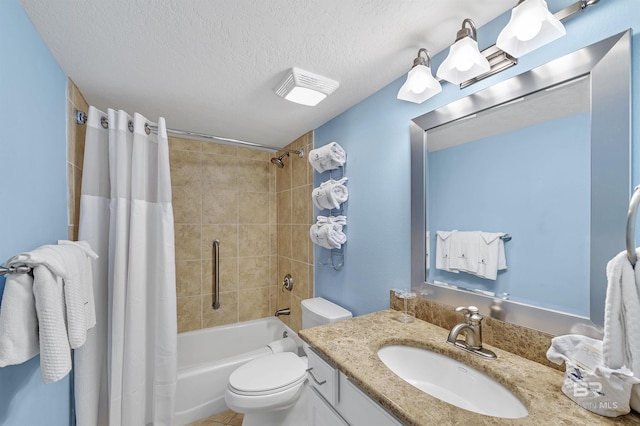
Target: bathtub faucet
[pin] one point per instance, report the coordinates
(285, 311)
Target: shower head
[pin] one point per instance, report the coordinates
(278, 161)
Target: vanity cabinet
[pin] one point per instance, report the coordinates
(335, 401)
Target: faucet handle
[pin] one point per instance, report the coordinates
(470, 313)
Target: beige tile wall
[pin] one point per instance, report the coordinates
(294, 184)
(260, 214)
(75, 155)
(226, 193)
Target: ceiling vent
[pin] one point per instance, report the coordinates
(304, 87)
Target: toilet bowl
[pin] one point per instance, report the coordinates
(272, 390)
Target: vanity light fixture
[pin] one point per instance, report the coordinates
(304, 87)
(420, 84)
(531, 26)
(464, 61)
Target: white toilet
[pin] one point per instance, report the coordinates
(272, 390)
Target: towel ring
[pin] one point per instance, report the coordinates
(631, 225)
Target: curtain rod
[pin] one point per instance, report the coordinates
(81, 118)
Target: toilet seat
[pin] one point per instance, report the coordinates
(268, 374)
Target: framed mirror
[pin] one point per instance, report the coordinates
(544, 157)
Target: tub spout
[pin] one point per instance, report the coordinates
(285, 311)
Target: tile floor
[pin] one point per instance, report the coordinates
(228, 418)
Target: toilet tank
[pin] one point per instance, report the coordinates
(319, 311)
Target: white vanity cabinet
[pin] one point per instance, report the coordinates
(335, 401)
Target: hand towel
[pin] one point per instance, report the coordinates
(55, 353)
(18, 321)
(443, 250)
(621, 341)
(71, 262)
(491, 257)
(327, 157)
(330, 194)
(464, 252)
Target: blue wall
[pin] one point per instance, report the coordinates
(375, 134)
(33, 190)
(478, 186)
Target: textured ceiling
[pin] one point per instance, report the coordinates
(210, 66)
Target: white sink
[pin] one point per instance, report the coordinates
(452, 381)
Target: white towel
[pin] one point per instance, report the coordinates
(330, 194)
(81, 254)
(443, 250)
(327, 157)
(18, 321)
(55, 353)
(491, 255)
(464, 253)
(621, 341)
(71, 262)
(327, 232)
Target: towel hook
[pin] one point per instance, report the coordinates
(631, 225)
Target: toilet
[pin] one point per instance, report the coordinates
(272, 390)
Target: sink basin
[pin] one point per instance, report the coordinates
(452, 381)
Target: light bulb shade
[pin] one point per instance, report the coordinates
(464, 62)
(530, 27)
(420, 85)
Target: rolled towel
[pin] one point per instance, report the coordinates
(283, 345)
(330, 194)
(327, 232)
(327, 157)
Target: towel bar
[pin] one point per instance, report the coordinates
(23, 269)
(631, 225)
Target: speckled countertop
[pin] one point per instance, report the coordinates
(352, 346)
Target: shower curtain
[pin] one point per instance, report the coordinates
(126, 372)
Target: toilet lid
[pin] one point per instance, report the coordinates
(268, 372)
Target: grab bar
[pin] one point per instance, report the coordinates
(215, 274)
(631, 226)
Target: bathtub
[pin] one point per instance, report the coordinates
(207, 357)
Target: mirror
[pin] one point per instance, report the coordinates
(551, 148)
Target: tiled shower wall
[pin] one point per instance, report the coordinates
(229, 193)
(226, 193)
(294, 184)
(260, 214)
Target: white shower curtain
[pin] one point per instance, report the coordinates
(126, 372)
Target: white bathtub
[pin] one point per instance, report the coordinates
(207, 357)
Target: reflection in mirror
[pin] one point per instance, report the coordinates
(521, 168)
(538, 157)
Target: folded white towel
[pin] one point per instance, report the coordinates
(330, 194)
(327, 232)
(18, 321)
(621, 341)
(464, 251)
(491, 255)
(443, 250)
(327, 157)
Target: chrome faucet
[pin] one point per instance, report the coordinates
(285, 311)
(472, 330)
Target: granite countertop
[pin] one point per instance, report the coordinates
(352, 345)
